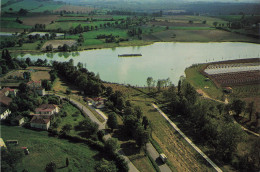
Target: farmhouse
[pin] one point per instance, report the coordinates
(47, 109)
(40, 122)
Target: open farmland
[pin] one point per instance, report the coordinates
(80, 9)
(234, 74)
(201, 34)
(41, 19)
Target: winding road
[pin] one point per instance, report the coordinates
(88, 113)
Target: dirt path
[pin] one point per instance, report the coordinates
(206, 96)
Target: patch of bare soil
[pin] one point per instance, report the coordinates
(46, 19)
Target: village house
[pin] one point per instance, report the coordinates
(4, 93)
(47, 109)
(97, 102)
(34, 84)
(40, 122)
(4, 112)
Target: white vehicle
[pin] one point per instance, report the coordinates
(163, 157)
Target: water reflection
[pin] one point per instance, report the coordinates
(159, 60)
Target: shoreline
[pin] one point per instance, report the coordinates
(111, 46)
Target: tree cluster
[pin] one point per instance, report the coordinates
(87, 81)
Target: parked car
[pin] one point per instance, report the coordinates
(163, 157)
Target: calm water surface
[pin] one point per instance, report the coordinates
(159, 60)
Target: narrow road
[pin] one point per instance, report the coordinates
(188, 140)
(155, 155)
(102, 126)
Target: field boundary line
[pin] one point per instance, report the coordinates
(188, 140)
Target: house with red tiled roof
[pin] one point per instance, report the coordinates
(40, 122)
(97, 102)
(34, 84)
(47, 109)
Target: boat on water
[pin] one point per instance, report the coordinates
(129, 55)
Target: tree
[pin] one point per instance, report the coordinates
(159, 85)
(250, 109)
(112, 121)
(105, 166)
(66, 128)
(23, 12)
(111, 145)
(145, 122)
(138, 112)
(141, 136)
(215, 24)
(50, 167)
(238, 106)
(67, 162)
(149, 82)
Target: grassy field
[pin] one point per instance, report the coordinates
(32, 6)
(199, 81)
(44, 149)
(13, 24)
(73, 117)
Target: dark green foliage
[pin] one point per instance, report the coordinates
(51, 167)
(106, 166)
(88, 127)
(112, 121)
(111, 145)
(87, 81)
(238, 106)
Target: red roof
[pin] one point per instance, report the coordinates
(97, 99)
(5, 100)
(46, 108)
(40, 120)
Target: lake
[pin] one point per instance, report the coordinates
(159, 60)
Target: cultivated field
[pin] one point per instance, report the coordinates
(197, 35)
(56, 43)
(42, 19)
(80, 9)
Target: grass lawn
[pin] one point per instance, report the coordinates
(44, 149)
(73, 117)
(199, 81)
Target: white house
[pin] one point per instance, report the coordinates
(4, 111)
(40, 122)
